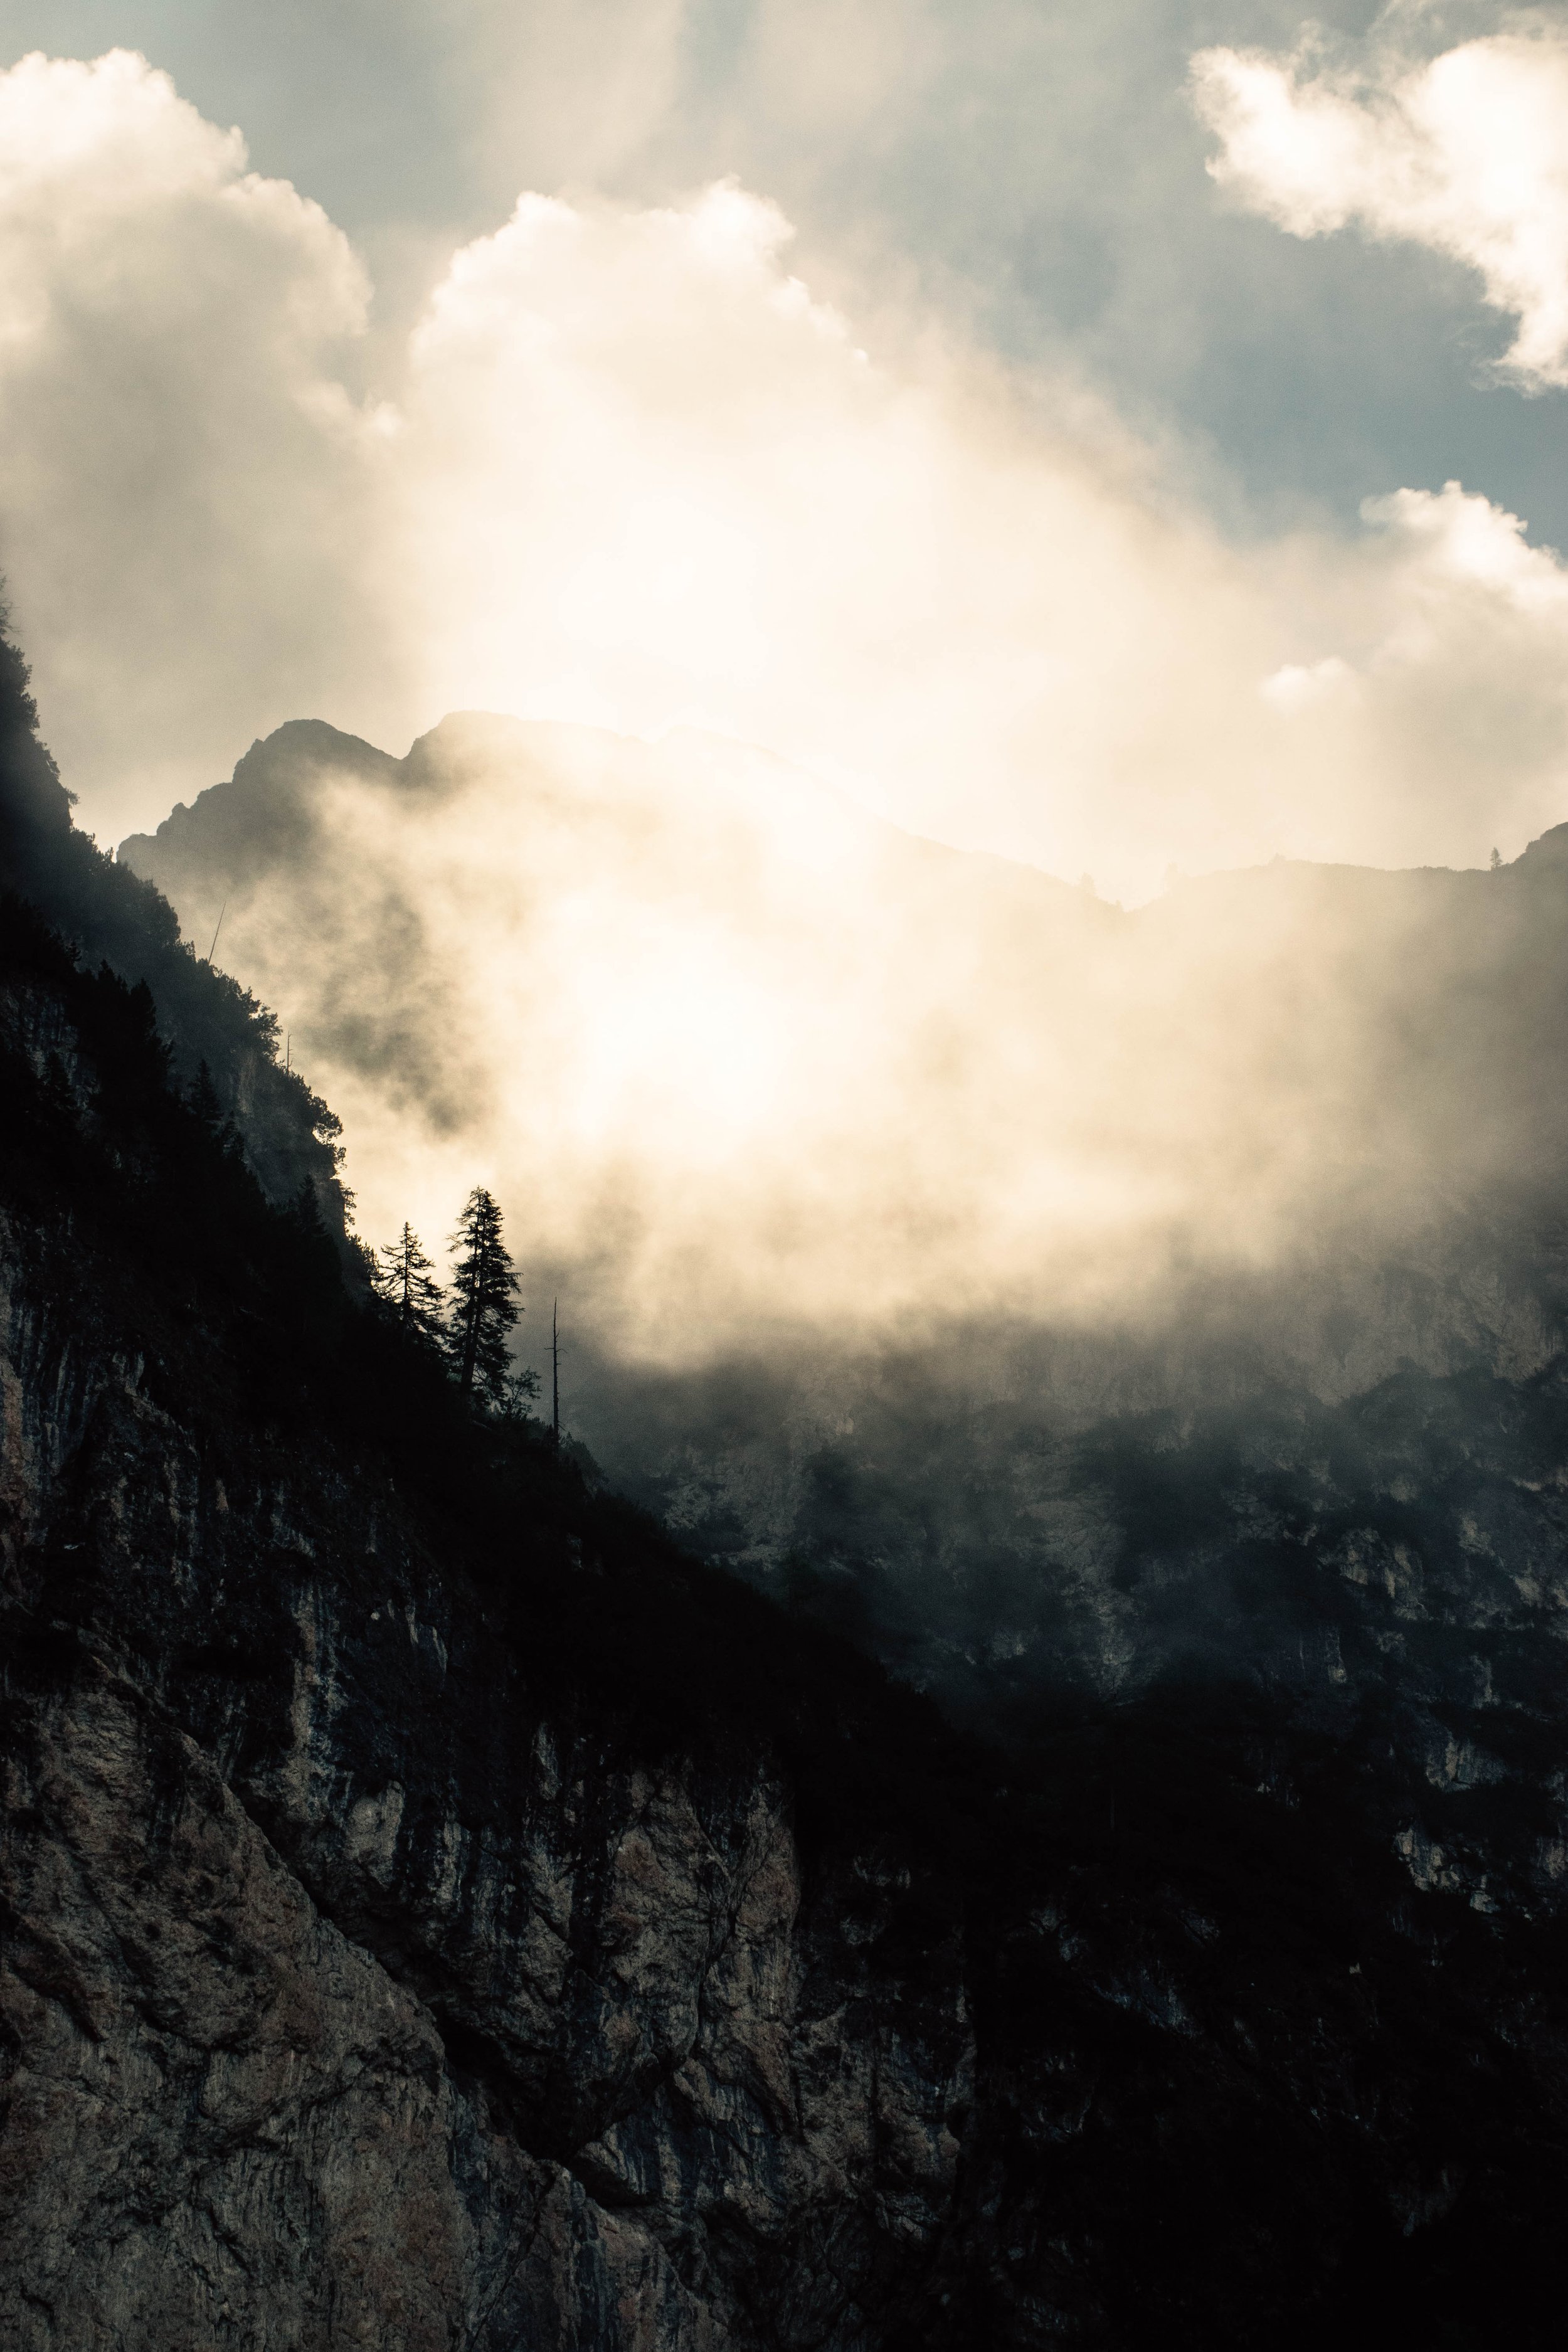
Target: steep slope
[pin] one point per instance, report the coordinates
(1011, 1444)
(741, 1054)
(113, 918)
(395, 1946)
(439, 1912)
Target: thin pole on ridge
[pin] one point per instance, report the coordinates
(556, 1369)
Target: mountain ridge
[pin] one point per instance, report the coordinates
(110, 916)
(1380, 1056)
(441, 1909)
(346, 749)
(437, 1908)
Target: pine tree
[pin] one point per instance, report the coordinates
(403, 1278)
(518, 1391)
(319, 1261)
(482, 1312)
(202, 1098)
(306, 1211)
(204, 1101)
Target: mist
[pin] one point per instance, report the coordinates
(782, 1220)
(744, 1062)
(629, 470)
(743, 951)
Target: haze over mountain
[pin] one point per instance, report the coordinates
(407, 1847)
(637, 454)
(753, 1062)
(1001, 1778)
(895, 1197)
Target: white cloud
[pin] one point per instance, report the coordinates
(1467, 154)
(1306, 685)
(653, 482)
(1451, 697)
(188, 493)
(632, 471)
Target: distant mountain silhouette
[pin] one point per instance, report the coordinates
(439, 1910)
(1344, 1090)
(110, 917)
(912, 1050)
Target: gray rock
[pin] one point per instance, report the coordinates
(346, 2003)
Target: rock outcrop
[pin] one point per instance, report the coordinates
(350, 1996)
(437, 1912)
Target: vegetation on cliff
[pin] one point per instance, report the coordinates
(1241, 2073)
(109, 916)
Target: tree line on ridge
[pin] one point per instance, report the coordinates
(470, 1322)
(466, 1325)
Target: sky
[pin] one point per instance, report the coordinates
(1122, 438)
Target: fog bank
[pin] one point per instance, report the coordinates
(630, 469)
(744, 1063)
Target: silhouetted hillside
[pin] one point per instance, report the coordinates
(1210, 1457)
(439, 1908)
(111, 917)
(624, 1959)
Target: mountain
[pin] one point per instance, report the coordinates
(765, 1061)
(439, 1912)
(690, 1006)
(442, 1910)
(406, 1926)
(1044, 1293)
(112, 919)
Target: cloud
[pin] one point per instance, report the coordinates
(704, 1024)
(631, 469)
(1467, 154)
(1450, 630)
(189, 495)
(744, 1064)
(651, 481)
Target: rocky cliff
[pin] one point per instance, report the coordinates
(425, 2068)
(110, 918)
(438, 1912)
(362, 1985)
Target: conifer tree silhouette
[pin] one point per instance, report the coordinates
(518, 1391)
(404, 1278)
(482, 1311)
(307, 1211)
(204, 1099)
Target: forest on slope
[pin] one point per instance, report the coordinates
(1043, 1293)
(1223, 2007)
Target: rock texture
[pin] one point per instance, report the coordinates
(434, 1912)
(348, 2000)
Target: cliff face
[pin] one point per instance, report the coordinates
(111, 917)
(435, 1912)
(352, 1993)
(578, 2075)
